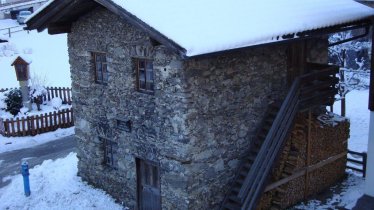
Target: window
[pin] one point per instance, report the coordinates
(110, 153)
(145, 82)
(100, 66)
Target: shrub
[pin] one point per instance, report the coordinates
(37, 90)
(13, 101)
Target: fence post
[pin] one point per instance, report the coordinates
(364, 160)
(2, 127)
(9, 33)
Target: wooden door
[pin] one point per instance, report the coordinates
(148, 181)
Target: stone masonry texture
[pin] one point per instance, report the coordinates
(196, 126)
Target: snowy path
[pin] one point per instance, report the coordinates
(10, 161)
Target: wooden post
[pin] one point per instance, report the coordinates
(309, 151)
(369, 181)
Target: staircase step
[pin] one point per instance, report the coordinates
(234, 199)
(269, 121)
(240, 180)
(247, 165)
(243, 173)
(252, 156)
(232, 206)
(236, 189)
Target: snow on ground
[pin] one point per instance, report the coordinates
(14, 143)
(7, 23)
(55, 185)
(345, 196)
(358, 113)
(48, 53)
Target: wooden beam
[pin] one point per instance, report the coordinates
(42, 18)
(371, 89)
(308, 153)
(55, 18)
(304, 170)
(58, 28)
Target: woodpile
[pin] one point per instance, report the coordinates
(289, 182)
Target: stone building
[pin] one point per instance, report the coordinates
(166, 113)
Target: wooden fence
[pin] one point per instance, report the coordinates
(64, 93)
(37, 124)
(358, 159)
(11, 30)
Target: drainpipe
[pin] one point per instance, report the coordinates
(369, 185)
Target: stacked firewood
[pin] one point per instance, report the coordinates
(326, 141)
(290, 159)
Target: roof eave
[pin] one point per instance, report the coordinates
(49, 16)
(367, 22)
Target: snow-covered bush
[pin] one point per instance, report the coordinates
(37, 89)
(56, 103)
(8, 50)
(354, 59)
(13, 101)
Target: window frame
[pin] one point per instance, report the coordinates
(103, 71)
(147, 82)
(110, 149)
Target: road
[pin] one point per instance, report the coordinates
(10, 162)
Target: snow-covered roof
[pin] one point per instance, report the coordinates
(205, 26)
(23, 57)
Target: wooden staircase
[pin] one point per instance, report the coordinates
(310, 90)
(232, 200)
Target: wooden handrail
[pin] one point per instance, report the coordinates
(254, 183)
(250, 191)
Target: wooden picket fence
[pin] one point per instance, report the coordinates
(37, 124)
(63, 93)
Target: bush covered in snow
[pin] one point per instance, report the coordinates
(37, 89)
(8, 49)
(354, 59)
(13, 101)
(56, 103)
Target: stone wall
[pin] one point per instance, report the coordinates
(229, 96)
(157, 120)
(196, 126)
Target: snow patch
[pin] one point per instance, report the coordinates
(350, 191)
(331, 119)
(56, 103)
(55, 185)
(359, 116)
(15, 143)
